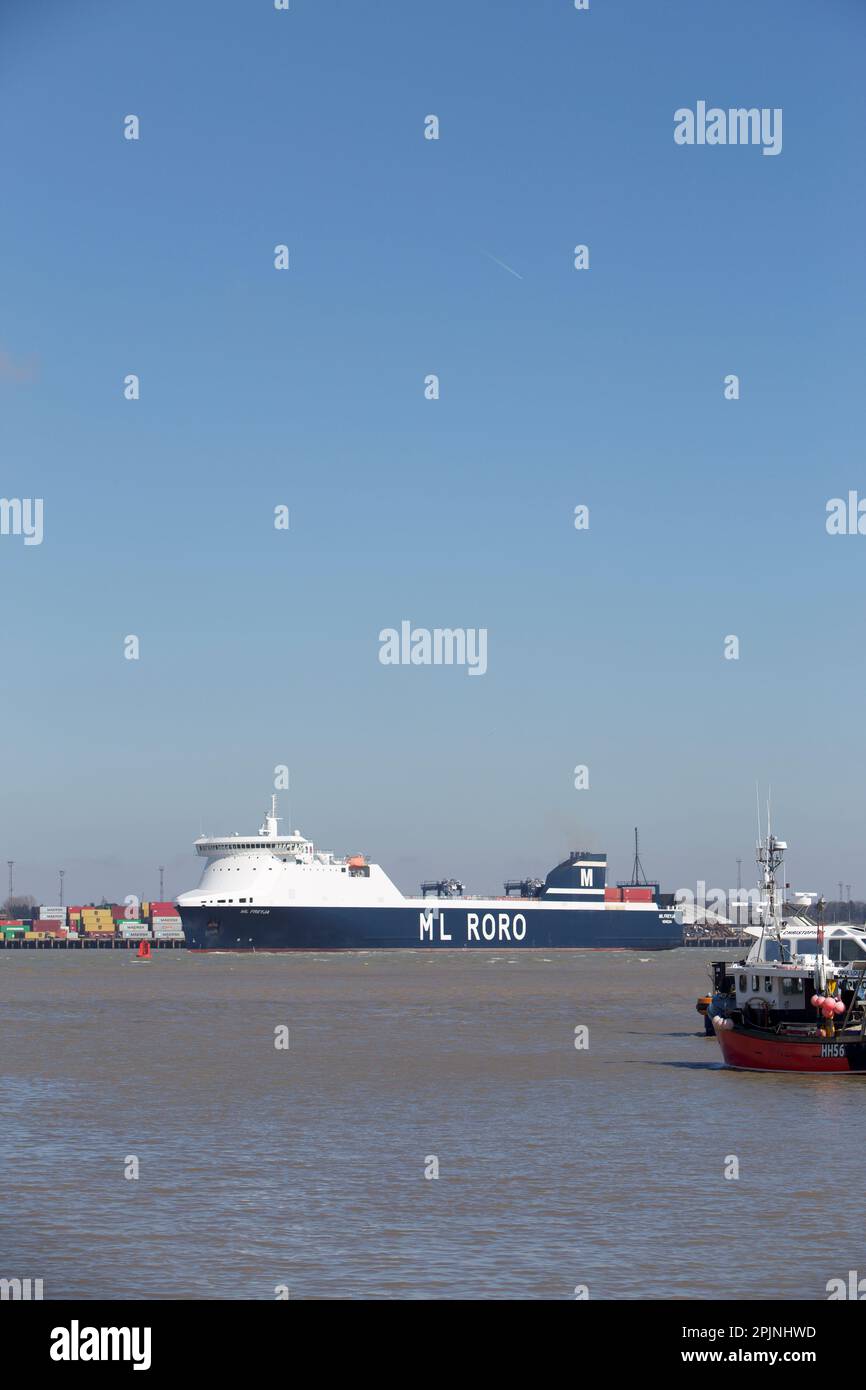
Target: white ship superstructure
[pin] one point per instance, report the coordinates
(273, 870)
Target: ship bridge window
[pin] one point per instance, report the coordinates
(807, 945)
(792, 985)
(756, 982)
(742, 984)
(768, 984)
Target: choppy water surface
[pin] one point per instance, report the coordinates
(262, 1167)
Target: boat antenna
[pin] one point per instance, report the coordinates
(770, 855)
(759, 861)
(769, 806)
(820, 960)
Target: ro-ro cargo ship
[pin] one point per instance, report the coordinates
(273, 892)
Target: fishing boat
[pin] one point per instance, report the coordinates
(778, 1010)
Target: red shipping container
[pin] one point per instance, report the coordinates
(612, 895)
(637, 895)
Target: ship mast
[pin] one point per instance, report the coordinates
(271, 822)
(637, 872)
(770, 854)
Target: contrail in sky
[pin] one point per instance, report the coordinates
(504, 266)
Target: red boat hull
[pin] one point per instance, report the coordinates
(754, 1049)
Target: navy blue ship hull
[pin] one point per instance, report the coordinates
(438, 925)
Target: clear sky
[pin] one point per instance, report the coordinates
(305, 387)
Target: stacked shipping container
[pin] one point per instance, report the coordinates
(159, 920)
(97, 923)
(165, 921)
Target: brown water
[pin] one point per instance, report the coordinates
(305, 1168)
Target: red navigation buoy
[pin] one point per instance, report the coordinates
(144, 950)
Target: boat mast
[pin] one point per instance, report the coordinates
(770, 854)
(638, 876)
(270, 829)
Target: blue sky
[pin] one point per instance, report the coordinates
(605, 387)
